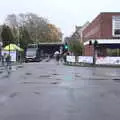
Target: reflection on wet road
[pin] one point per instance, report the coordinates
(46, 91)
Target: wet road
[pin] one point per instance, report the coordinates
(46, 91)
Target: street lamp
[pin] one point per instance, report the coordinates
(1, 51)
(9, 58)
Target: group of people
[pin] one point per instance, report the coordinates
(5, 59)
(60, 57)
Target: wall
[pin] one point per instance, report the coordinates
(100, 27)
(88, 50)
(92, 31)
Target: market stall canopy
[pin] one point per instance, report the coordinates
(13, 47)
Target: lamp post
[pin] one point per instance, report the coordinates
(9, 57)
(17, 53)
(1, 51)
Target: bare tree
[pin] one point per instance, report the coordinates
(39, 29)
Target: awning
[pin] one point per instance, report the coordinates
(13, 47)
(104, 41)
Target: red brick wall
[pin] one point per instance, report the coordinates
(100, 27)
(93, 29)
(106, 26)
(88, 50)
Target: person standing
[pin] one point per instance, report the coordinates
(57, 56)
(64, 57)
(8, 60)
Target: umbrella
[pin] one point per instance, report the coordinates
(57, 52)
(12, 47)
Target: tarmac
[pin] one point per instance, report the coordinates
(4, 71)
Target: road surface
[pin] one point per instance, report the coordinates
(46, 91)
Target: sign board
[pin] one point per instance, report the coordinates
(12, 54)
(70, 58)
(99, 60)
(116, 26)
(108, 60)
(85, 59)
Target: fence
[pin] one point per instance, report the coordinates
(108, 60)
(89, 59)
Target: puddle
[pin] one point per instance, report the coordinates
(102, 95)
(2, 69)
(5, 76)
(116, 79)
(37, 93)
(93, 78)
(31, 83)
(55, 74)
(77, 76)
(44, 76)
(98, 79)
(54, 83)
(28, 73)
(1, 72)
(58, 79)
(13, 95)
(20, 66)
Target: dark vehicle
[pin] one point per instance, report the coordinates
(32, 54)
(37, 52)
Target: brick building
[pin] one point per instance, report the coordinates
(105, 29)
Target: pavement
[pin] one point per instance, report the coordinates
(14, 67)
(47, 91)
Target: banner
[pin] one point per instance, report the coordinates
(99, 60)
(108, 60)
(85, 59)
(12, 54)
(70, 58)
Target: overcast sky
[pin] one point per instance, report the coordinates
(65, 14)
